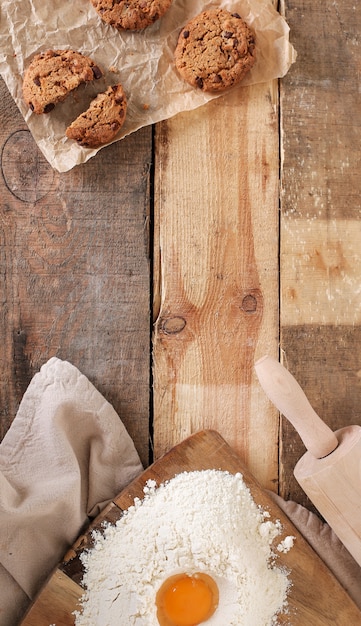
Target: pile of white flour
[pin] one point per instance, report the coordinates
(201, 521)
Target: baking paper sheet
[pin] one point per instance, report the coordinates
(142, 61)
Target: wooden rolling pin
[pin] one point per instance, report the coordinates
(330, 471)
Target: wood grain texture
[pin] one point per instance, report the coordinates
(315, 596)
(75, 270)
(216, 239)
(57, 601)
(320, 230)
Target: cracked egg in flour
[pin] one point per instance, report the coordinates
(195, 550)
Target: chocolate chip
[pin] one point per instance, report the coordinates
(115, 125)
(186, 34)
(217, 78)
(236, 15)
(31, 106)
(199, 82)
(49, 107)
(37, 81)
(97, 73)
(227, 34)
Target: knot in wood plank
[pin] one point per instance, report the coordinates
(249, 303)
(27, 174)
(173, 325)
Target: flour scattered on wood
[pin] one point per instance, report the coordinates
(286, 544)
(202, 521)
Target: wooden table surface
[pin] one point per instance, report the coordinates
(169, 263)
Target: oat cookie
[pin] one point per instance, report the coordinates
(215, 50)
(53, 74)
(102, 120)
(131, 14)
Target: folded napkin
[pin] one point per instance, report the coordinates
(66, 455)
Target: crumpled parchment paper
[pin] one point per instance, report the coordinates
(142, 61)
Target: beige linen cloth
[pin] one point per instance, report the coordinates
(66, 455)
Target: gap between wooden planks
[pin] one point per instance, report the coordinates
(216, 274)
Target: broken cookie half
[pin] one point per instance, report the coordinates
(100, 123)
(53, 74)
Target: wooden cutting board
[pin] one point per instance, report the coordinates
(315, 598)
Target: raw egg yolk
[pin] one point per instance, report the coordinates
(185, 600)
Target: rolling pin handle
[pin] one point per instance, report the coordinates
(288, 397)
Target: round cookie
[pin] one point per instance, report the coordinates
(131, 14)
(215, 50)
(100, 123)
(52, 75)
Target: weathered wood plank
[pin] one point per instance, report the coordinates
(216, 238)
(75, 270)
(320, 230)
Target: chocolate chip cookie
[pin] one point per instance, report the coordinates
(131, 14)
(52, 75)
(215, 50)
(100, 123)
